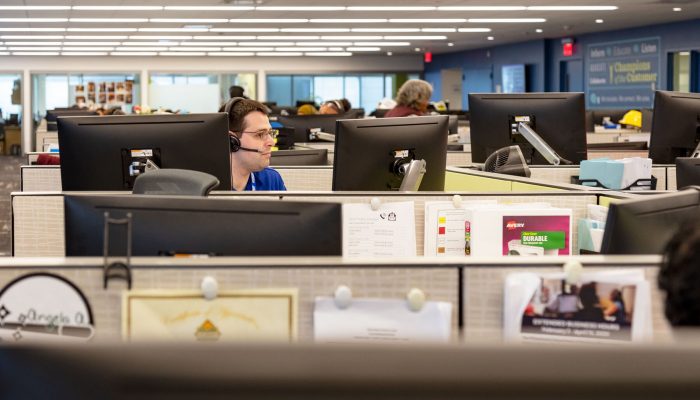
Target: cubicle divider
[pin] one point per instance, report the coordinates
(474, 287)
(38, 220)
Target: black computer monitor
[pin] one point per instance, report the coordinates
(675, 129)
(453, 125)
(687, 172)
(558, 118)
(303, 124)
(177, 225)
(369, 152)
(646, 225)
(107, 153)
(52, 115)
(299, 157)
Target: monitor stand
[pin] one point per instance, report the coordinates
(413, 173)
(524, 129)
(696, 152)
(316, 133)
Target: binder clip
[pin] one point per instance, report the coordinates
(572, 272)
(375, 203)
(343, 297)
(416, 299)
(210, 287)
(457, 201)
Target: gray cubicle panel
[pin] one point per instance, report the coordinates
(38, 230)
(563, 174)
(40, 178)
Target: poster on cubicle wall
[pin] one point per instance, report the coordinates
(603, 307)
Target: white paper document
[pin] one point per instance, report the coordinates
(381, 321)
(603, 307)
(447, 229)
(389, 231)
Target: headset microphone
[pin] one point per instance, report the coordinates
(253, 150)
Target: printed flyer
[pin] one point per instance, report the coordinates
(536, 235)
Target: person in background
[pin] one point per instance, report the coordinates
(412, 99)
(307, 109)
(333, 107)
(251, 141)
(679, 276)
(236, 91)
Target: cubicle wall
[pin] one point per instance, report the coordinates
(474, 287)
(38, 228)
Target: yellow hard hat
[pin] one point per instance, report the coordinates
(632, 118)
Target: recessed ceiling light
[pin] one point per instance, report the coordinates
(572, 8)
(109, 20)
(268, 21)
(329, 54)
(482, 8)
(288, 37)
(538, 30)
(102, 29)
(34, 8)
(84, 53)
(24, 48)
(190, 20)
(182, 54)
(450, 44)
(12, 43)
(119, 8)
(352, 37)
(273, 54)
(238, 49)
(415, 37)
(439, 30)
(87, 48)
(323, 43)
(231, 54)
(386, 30)
(238, 37)
(599, 21)
(363, 49)
(385, 44)
(133, 53)
(490, 38)
(192, 30)
(390, 8)
(320, 30)
(348, 20)
(194, 48)
(96, 37)
(388, 53)
(295, 48)
(156, 48)
(506, 20)
(300, 8)
(416, 49)
(33, 19)
(205, 43)
(5, 29)
(463, 30)
(160, 37)
(160, 43)
(259, 43)
(15, 37)
(428, 20)
(244, 30)
(677, 9)
(209, 8)
(34, 53)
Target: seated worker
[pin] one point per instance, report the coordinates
(335, 107)
(679, 276)
(307, 109)
(412, 99)
(251, 141)
(237, 91)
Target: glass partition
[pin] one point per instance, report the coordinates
(10, 114)
(196, 92)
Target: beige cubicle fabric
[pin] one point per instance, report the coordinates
(40, 178)
(307, 178)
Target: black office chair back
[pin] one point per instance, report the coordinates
(177, 182)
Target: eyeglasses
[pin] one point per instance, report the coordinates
(264, 133)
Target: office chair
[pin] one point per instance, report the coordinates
(178, 182)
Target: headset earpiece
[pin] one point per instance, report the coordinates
(235, 143)
(234, 140)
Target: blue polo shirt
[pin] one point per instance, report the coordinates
(267, 179)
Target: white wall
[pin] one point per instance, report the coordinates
(260, 65)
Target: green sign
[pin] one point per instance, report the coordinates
(545, 239)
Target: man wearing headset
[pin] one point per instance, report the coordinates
(251, 140)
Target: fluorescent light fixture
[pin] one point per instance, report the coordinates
(677, 9)
(300, 8)
(194, 49)
(538, 30)
(208, 43)
(159, 43)
(415, 37)
(34, 53)
(160, 37)
(119, 8)
(185, 30)
(323, 43)
(391, 8)
(684, 53)
(33, 19)
(385, 44)
(273, 54)
(572, 8)
(386, 30)
(15, 37)
(417, 49)
(87, 48)
(189, 20)
(471, 30)
(259, 43)
(506, 20)
(335, 49)
(329, 54)
(34, 8)
(183, 54)
(351, 37)
(599, 21)
(450, 44)
(428, 20)
(294, 48)
(363, 49)
(109, 20)
(237, 49)
(288, 37)
(5, 29)
(230, 54)
(227, 37)
(312, 30)
(268, 21)
(84, 53)
(209, 8)
(133, 53)
(97, 37)
(23, 48)
(348, 21)
(33, 43)
(92, 43)
(102, 29)
(482, 8)
(244, 30)
(388, 53)
(162, 48)
(439, 30)
(490, 38)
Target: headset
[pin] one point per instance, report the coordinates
(235, 141)
(338, 105)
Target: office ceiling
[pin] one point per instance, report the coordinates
(247, 27)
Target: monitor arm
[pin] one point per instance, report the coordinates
(539, 144)
(696, 152)
(412, 172)
(317, 133)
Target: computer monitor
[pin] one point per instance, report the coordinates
(369, 153)
(107, 153)
(299, 157)
(675, 129)
(177, 225)
(646, 225)
(558, 118)
(687, 172)
(52, 115)
(453, 125)
(303, 124)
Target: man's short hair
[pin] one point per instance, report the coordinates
(679, 275)
(239, 111)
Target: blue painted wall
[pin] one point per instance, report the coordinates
(544, 56)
